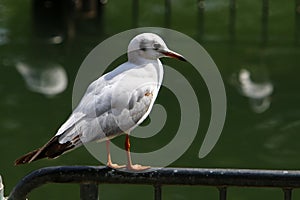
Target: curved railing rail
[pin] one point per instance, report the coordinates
(90, 177)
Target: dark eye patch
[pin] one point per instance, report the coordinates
(156, 46)
(143, 45)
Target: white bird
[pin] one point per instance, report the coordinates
(115, 103)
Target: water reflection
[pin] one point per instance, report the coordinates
(49, 80)
(281, 133)
(56, 20)
(3, 36)
(54, 23)
(250, 140)
(259, 94)
(1, 189)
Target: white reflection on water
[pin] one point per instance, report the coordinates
(3, 36)
(1, 189)
(49, 81)
(57, 39)
(259, 94)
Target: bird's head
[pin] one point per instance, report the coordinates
(150, 46)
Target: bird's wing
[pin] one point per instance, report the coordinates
(137, 107)
(140, 105)
(112, 104)
(86, 111)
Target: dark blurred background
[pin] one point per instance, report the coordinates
(255, 45)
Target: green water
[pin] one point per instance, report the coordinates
(253, 137)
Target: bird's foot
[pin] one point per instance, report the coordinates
(137, 167)
(115, 166)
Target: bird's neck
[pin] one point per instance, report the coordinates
(150, 65)
(136, 58)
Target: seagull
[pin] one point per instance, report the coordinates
(114, 104)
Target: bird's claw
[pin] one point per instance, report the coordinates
(137, 167)
(115, 166)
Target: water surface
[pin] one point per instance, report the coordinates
(42, 45)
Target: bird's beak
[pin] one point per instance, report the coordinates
(172, 54)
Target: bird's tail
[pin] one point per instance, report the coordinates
(51, 149)
(27, 158)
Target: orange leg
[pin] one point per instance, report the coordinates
(109, 162)
(130, 166)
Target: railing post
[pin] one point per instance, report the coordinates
(201, 8)
(89, 191)
(135, 13)
(287, 194)
(157, 192)
(265, 20)
(297, 21)
(222, 193)
(232, 20)
(168, 13)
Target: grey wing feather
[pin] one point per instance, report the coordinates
(139, 105)
(85, 112)
(94, 118)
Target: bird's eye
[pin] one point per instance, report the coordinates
(156, 46)
(143, 48)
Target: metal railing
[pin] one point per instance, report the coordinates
(90, 177)
(232, 8)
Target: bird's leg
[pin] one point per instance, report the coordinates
(109, 162)
(130, 166)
